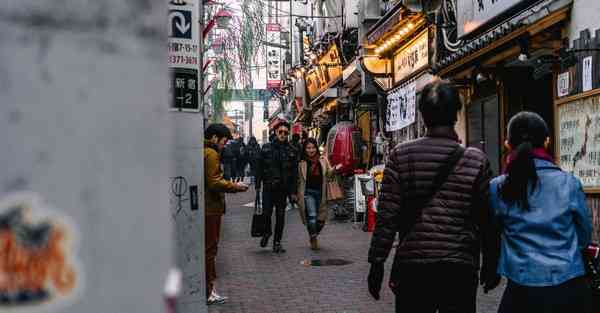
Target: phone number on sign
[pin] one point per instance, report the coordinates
(179, 59)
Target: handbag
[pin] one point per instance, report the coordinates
(334, 191)
(259, 224)
(591, 260)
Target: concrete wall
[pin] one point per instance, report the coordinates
(84, 129)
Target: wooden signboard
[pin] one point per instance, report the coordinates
(578, 139)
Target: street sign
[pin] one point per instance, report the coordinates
(184, 89)
(183, 49)
(180, 24)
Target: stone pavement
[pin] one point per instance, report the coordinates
(257, 281)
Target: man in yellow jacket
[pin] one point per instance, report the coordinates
(215, 187)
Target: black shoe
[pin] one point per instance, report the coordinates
(277, 248)
(264, 241)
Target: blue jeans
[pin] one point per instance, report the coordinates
(312, 202)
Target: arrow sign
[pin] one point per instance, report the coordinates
(181, 24)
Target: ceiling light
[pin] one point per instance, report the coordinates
(410, 25)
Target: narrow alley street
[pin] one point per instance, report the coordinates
(256, 280)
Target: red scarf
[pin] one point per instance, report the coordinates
(537, 153)
(314, 165)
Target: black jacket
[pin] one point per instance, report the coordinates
(455, 225)
(277, 167)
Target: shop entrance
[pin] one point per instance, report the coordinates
(483, 116)
(526, 92)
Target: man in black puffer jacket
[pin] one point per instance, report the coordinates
(277, 173)
(437, 260)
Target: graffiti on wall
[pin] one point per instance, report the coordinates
(38, 268)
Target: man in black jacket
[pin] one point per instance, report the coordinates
(277, 172)
(443, 231)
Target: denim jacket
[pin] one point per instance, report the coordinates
(542, 246)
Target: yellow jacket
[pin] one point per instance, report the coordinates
(215, 185)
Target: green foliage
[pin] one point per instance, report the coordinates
(241, 43)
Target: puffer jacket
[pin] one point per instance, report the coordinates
(453, 225)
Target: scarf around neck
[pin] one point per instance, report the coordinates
(314, 165)
(536, 153)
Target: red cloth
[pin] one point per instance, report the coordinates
(314, 165)
(538, 153)
(212, 226)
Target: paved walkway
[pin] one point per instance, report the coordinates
(257, 281)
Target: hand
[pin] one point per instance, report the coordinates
(241, 187)
(294, 198)
(490, 283)
(375, 279)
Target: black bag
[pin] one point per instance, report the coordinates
(591, 258)
(259, 225)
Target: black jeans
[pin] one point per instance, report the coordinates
(274, 199)
(430, 288)
(572, 296)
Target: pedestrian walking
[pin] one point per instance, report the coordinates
(435, 194)
(313, 172)
(242, 160)
(215, 137)
(253, 155)
(228, 161)
(545, 225)
(277, 172)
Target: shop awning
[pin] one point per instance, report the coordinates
(330, 92)
(352, 78)
(544, 14)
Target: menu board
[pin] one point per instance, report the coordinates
(579, 140)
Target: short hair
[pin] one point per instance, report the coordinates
(439, 104)
(284, 123)
(219, 130)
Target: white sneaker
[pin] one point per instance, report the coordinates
(215, 298)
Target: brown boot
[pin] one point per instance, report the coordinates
(314, 244)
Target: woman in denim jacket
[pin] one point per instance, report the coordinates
(544, 222)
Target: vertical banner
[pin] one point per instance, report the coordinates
(273, 56)
(401, 107)
(183, 51)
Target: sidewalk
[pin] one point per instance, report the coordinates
(256, 280)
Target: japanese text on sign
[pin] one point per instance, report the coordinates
(401, 107)
(579, 139)
(412, 57)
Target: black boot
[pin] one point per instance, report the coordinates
(277, 248)
(264, 241)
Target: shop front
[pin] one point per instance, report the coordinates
(505, 65)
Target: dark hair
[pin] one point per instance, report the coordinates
(296, 137)
(252, 141)
(286, 124)
(304, 135)
(307, 142)
(217, 129)
(439, 104)
(526, 130)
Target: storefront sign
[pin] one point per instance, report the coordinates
(562, 84)
(401, 107)
(579, 139)
(328, 70)
(587, 74)
(472, 14)
(412, 57)
(183, 47)
(273, 56)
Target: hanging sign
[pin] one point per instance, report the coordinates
(562, 84)
(327, 71)
(472, 14)
(412, 57)
(273, 56)
(587, 74)
(579, 140)
(183, 52)
(401, 107)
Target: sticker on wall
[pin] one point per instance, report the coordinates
(39, 269)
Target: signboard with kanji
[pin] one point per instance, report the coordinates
(184, 89)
